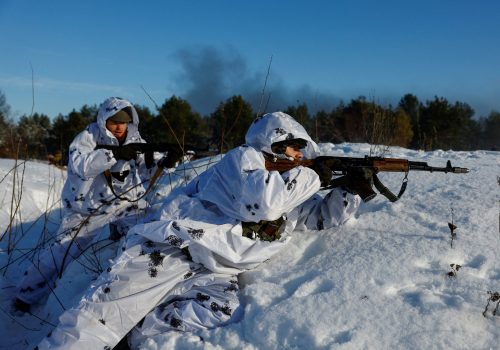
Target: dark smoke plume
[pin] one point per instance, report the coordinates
(209, 76)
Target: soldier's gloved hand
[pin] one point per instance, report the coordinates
(323, 166)
(170, 160)
(359, 181)
(125, 152)
(323, 171)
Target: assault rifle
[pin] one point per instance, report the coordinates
(344, 165)
(148, 150)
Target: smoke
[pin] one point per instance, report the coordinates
(209, 76)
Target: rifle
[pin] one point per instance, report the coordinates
(149, 148)
(343, 165)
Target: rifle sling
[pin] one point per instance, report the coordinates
(109, 180)
(386, 192)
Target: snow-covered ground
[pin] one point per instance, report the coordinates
(379, 282)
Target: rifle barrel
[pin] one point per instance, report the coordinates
(423, 166)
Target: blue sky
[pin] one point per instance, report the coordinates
(81, 52)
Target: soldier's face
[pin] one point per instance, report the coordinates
(294, 152)
(118, 129)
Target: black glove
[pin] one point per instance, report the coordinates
(323, 171)
(358, 181)
(323, 166)
(125, 152)
(173, 156)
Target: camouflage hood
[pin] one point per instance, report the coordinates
(276, 127)
(109, 108)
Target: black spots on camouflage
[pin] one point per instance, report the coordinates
(102, 321)
(215, 307)
(176, 226)
(107, 347)
(290, 136)
(174, 240)
(345, 199)
(202, 297)
(187, 275)
(232, 288)
(107, 290)
(224, 309)
(80, 198)
(196, 234)
(268, 178)
(156, 259)
(256, 206)
(149, 244)
(175, 322)
(109, 156)
(279, 131)
(152, 272)
(291, 185)
(250, 208)
(68, 204)
(109, 269)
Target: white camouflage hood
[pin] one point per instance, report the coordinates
(108, 108)
(275, 127)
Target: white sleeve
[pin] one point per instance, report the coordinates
(332, 210)
(266, 195)
(85, 160)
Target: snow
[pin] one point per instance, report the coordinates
(379, 282)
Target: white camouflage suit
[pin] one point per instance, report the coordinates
(155, 286)
(89, 204)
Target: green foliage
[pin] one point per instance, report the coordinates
(412, 107)
(431, 125)
(33, 133)
(230, 122)
(65, 128)
(491, 132)
(7, 129)
(301, 114)
(177, 122)
(446, 126)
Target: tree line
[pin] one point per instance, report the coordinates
(429, 125)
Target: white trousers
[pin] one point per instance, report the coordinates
(153, 282)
